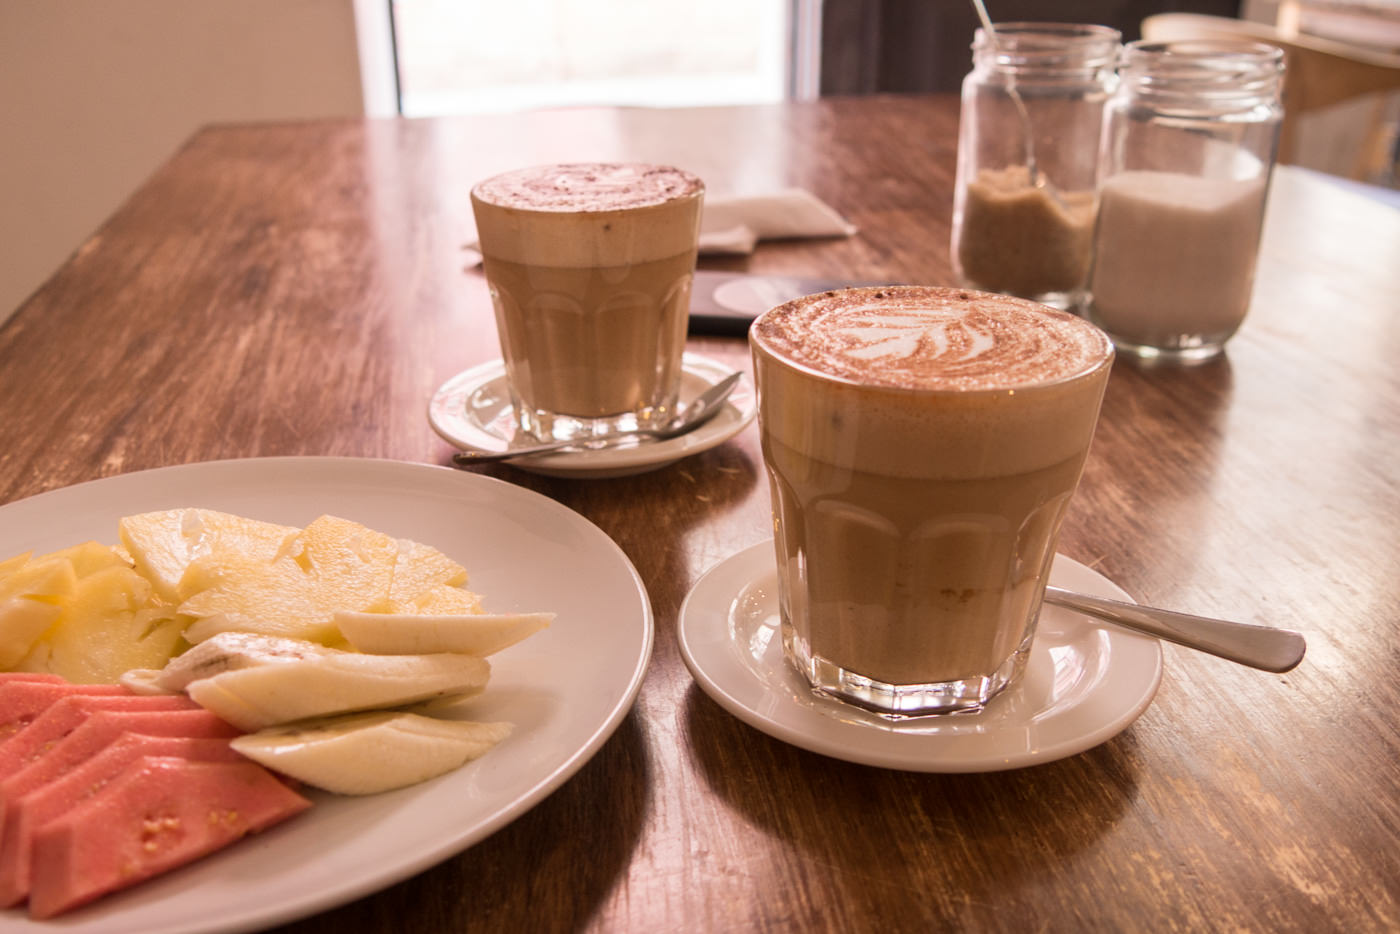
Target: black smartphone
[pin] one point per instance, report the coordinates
(725, 303)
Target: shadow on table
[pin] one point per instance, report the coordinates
(533, 874)
(949, 837)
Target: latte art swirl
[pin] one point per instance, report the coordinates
(931, 338)
(592, 186)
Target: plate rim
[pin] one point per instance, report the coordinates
(896, 759)
(447, 846)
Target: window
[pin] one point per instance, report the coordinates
(477, 56)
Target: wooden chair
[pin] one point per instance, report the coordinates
(1320, 73)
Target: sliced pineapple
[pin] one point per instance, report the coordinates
(442, 600)
(419, 568)
(31, 593)
(109, 623)
(22, 621)
(10, 565)
(46, 578)
(87, 558)
(92, 612)
(162, 544)
(333, 564)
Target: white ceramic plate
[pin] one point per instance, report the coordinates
(523, 552)
(1084, 682)
(472, 410)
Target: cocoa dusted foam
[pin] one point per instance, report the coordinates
(588, 215)
(931, 338)
(588, 186)
(931, 382)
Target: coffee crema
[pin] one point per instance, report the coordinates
(588, 186)
(931, 338)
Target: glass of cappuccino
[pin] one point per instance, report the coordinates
(590, 268)
(922, 446)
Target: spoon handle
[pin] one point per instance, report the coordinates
(476, 456)
(1262, 647)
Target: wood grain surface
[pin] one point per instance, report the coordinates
(301, 289)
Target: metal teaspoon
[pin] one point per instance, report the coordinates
(704, 407)
(1262, 647)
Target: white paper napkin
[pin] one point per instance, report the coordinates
(736, 224)
(733, 225)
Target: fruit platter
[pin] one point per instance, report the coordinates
(207, 672)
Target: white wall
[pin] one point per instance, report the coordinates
(96, 94)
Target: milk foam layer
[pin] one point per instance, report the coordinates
(591, 186)
(931, 338)
(589, 214)
(930, 382)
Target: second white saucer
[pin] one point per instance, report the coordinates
(1084, 683)
(473, 410)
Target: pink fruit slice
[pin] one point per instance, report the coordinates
(159, 813)
(22, 700)
(65, 715)
(54, 798)
(99, 730)
(90, 737)
(31, 676)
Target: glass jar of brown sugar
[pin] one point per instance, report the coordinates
(1028, 144)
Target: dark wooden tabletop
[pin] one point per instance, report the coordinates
(300, 289)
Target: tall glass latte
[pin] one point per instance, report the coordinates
(590, 268)
(922, 446)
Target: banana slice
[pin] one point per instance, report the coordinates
(338, 682)
(404, 634)
(364, 754)
(143, 681)
(228, 651)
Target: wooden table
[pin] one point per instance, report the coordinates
(299, 290)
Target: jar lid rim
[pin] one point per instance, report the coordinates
(1085, 31)
(1204, 50)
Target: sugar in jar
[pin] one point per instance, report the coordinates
(1188, 146)
(1028, 145)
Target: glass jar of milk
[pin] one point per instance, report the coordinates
(1028, 144)
(1188, 146)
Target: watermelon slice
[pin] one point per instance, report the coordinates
(65, 715)
(57, 797)
(21, 700)
(159, 813)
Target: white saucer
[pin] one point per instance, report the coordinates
(473, 410)
(1083, 685)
